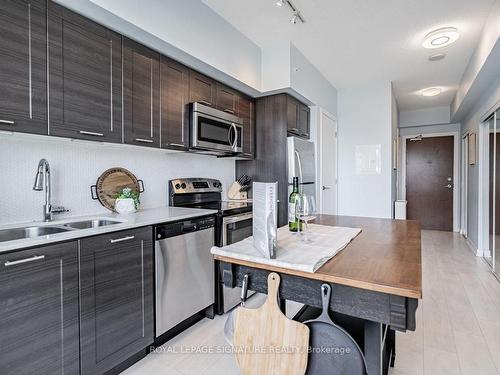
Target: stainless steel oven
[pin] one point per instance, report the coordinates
(214, 131)
(235, 228)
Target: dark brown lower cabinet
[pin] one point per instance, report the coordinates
(116, 281)
(39, 311)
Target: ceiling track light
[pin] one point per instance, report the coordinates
(296, 16)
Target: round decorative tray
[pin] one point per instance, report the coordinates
(111, 182)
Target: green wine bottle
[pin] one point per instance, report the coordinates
(293, 222)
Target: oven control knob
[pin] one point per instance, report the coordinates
(183, 185)
(215, 184)
(177, 186)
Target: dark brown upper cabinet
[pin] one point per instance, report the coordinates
(141, 94)
(297, 118)
(202, 89)
(304, 120)
(174, 104)
(227, 99)
(116, 298)
(23, 90)
(39, 310)
(85, 63)
(246, 112)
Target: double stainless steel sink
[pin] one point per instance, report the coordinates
(33, 231)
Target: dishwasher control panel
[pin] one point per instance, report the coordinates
(183, 227)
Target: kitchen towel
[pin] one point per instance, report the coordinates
(292, 253)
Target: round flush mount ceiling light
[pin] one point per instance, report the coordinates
(441, 37)
(280, 3)
(431, 91)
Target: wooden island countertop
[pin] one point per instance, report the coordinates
(385, 257)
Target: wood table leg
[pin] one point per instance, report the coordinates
(373, 347)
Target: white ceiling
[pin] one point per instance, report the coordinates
(357, 42)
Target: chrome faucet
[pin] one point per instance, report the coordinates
(42, 182)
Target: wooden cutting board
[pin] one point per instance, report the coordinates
(281, 342)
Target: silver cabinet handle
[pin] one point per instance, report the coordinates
(7, 122)
(449, 186)
(325, 187)
(91, 133)
(26, 260)
(204, 102)
(122, 239)
(144, 140)
(29, 64)
(176, 145)
(229, 111)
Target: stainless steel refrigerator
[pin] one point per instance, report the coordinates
(301, 164)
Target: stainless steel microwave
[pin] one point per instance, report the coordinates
(214, 131)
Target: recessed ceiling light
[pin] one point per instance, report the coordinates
(431, 91)
(294, 18)
(280, 3)
(441, 37)
(437, 57)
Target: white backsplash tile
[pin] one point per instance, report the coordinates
(76, 165)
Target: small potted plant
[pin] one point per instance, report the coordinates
(127, 201)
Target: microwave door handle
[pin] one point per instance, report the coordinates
(233, 126)
(229, 135)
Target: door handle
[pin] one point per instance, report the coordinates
(449, 186)
(325, 187)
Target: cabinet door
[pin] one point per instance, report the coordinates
(39, 311)
(174, 100)
(141, 101)
(116, 278)
(303, 123)
(202, 89)
(246, 112)
(292, 113)
(84, 78)
(23, 90)
(227, 99)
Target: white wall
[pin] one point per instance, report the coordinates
(76, 165)
(475, 72)
(186, 30)
(364, 118)
(425, 116)
(394, 147)
(310, 83)
(471, 123)
(275, 67)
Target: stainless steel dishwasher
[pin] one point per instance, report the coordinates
(184, 267)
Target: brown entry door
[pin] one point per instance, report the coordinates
(429, 182)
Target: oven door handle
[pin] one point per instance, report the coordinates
(230, 220)
(236, 218)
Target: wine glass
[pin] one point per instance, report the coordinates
(305, 211)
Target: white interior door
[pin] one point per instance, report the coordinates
(328, 163)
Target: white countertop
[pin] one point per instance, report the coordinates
(139, 219)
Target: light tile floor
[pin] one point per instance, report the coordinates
(458, 323)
